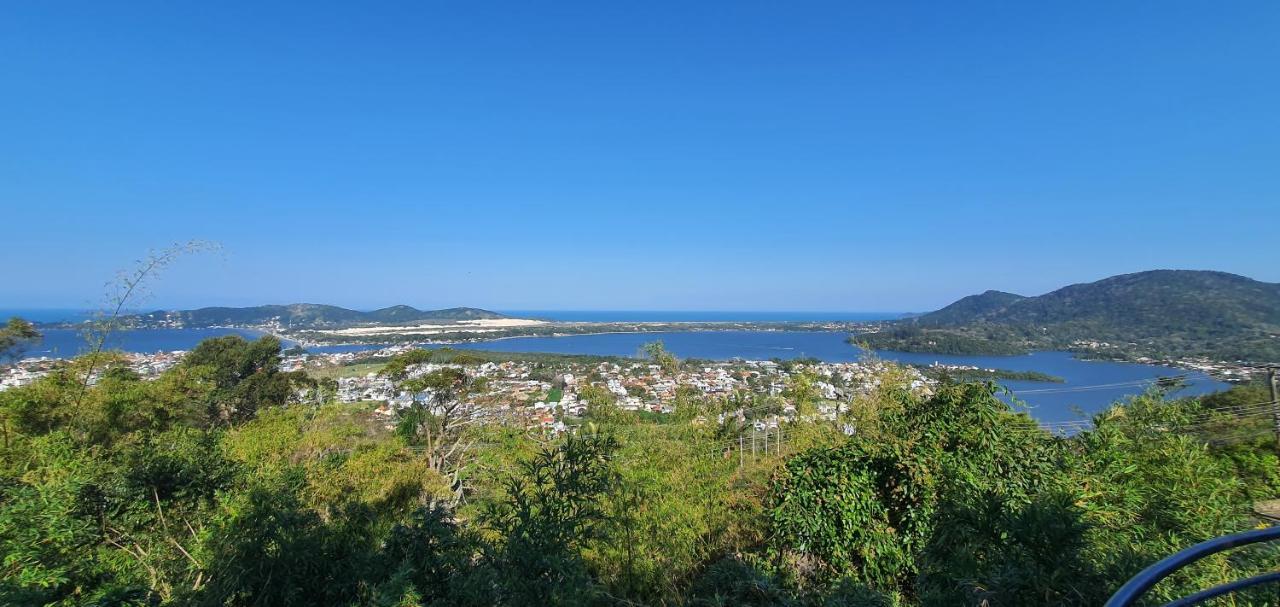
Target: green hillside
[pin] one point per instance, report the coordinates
(967, 309)
(1160, 313)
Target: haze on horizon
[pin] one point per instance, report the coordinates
(720, 156)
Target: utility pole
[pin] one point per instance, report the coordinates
(753, 443)
(739, 451)
(1274, 383)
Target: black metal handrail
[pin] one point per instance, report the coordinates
(1134, 589)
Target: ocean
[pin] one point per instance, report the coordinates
(699, 316)
(76, 315)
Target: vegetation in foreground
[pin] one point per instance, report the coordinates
(223, 483)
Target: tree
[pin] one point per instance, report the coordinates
(802, 391)
(439, 426)
(245, 376)
(602, 405)
(398, 367)
(867, 508)
(15, 336)
(657, 351)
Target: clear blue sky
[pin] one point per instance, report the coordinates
(641, 155)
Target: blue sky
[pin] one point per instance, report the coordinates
(737, 155)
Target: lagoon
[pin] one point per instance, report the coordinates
(64, 343)
(1089, 387)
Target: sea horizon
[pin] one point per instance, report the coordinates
(701, 315)
(66, 314)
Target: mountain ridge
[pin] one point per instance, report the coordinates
(1156, 313)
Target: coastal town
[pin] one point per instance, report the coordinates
(28, 370)
(637, 384)
(545, 395)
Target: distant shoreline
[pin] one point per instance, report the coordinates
(315, 338)
(480, 338)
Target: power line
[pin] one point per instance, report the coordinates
(1111, 386)
(1202, 415)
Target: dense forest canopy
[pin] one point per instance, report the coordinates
(228, 482)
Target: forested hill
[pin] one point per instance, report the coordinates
(971, 308)
(310, 315)
(1156, 313)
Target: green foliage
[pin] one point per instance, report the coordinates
(993, 551)
(791, 365)
(657, 351)
(447, 383)
(954, 499)
(803, 393)
(681, 503)
(732, 582)
(431, 557)
(828, 507)
(1147, 493)
(984, 340)
(45, 537)
(867, 508)
(969, 375)
(398, 366)
(266, 548)
(555, 507)
(245, 376)
(1242, 395)
(602, 405)
(14, 335)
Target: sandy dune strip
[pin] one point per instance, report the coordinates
(462, 326)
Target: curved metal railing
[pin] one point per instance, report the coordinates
(1134, 589)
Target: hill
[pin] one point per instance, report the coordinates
(967, 309)
(309, 316)
(1159, 313)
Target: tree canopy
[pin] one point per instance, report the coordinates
(14, 335)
